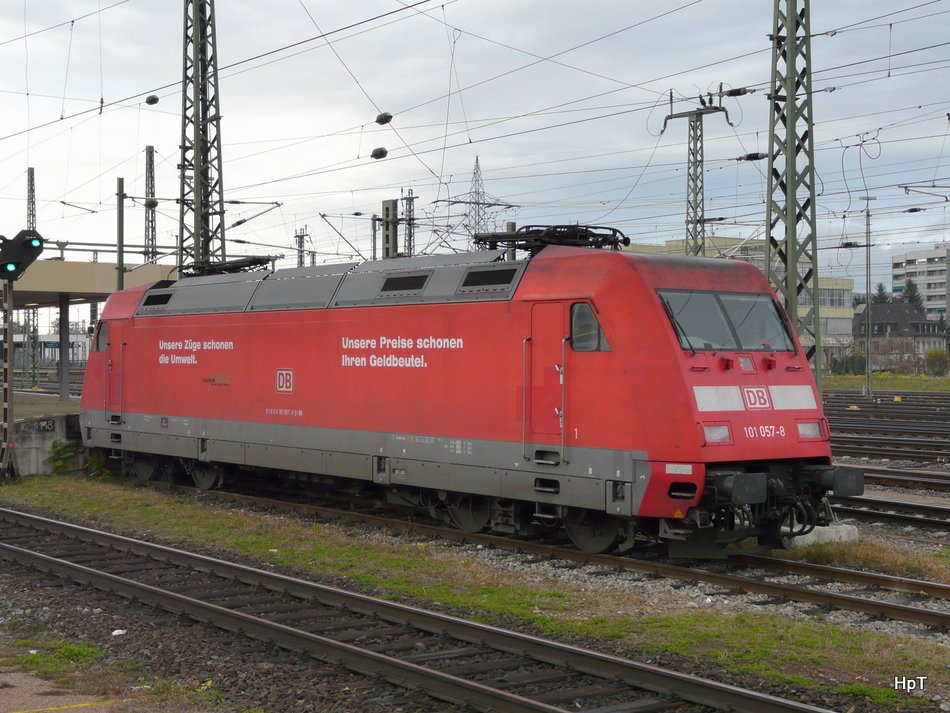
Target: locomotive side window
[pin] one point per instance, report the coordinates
(726, 320)
(102, 337)
(586, 334)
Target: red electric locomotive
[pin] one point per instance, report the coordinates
(620, 396)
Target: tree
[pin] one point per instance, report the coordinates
(895, 354)
(937, 362)
(912, 295)
(882, 296)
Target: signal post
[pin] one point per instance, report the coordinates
(16, 254)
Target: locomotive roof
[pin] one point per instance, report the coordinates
(463, 277)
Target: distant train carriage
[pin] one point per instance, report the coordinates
(622, 397)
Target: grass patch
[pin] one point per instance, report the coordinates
(885, 382)
(876, 556)
(86, 670)
(28, 405)
(52, 658)
(879, 695)
(810, 653)
(796, 652)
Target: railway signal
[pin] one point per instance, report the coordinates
(16, 255)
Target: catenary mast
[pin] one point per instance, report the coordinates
(791, 262)
(201, 194)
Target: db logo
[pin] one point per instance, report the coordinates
(756, 397)
(285, 380)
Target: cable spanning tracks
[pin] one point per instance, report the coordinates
(451, 659)
(924, 602)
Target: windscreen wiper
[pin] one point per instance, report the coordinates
(677, 327)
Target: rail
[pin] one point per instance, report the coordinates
(599, 680)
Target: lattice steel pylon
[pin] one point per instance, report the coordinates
(475, 222)
(477, 219)
(201, 194)
(409, 213)
(31, 316)
(695, 196)
(695, 200)
(793, 238)
(30, 199)
(151, 204)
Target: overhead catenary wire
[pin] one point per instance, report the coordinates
(649, 174)
(119, 102)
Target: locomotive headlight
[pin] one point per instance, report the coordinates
(809, 430)
(717, 434)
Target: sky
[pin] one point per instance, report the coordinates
(561, 103)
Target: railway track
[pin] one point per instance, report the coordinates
(920, 450)
(895, 511)
(874, 597)
(913, 427)
(919, 479)
(449, 658)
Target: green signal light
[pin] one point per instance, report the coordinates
(10, 267)
(36, 243)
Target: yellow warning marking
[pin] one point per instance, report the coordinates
(69, 707)
(678, 513)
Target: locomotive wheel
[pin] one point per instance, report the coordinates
(204, 476)
(470, 513)
(591, 531)
(142, 468)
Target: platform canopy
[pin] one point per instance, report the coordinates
(49, 283)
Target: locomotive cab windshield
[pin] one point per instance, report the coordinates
(715, 321)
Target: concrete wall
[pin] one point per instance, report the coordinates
(33, 437)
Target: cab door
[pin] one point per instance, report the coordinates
(115, 369)
(546, 373)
